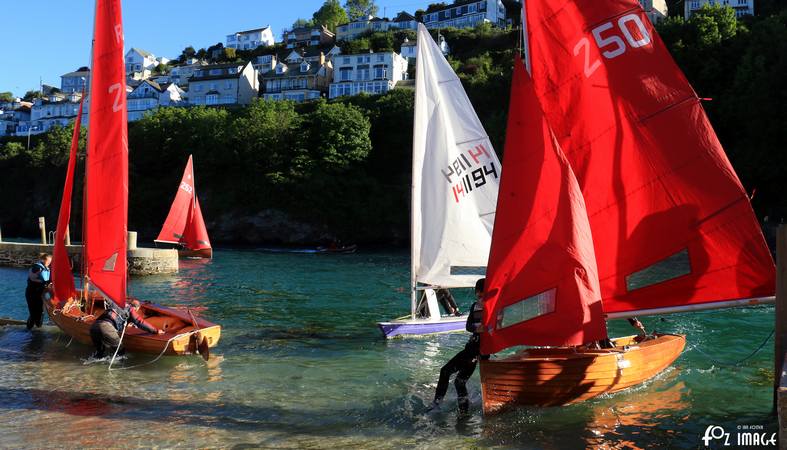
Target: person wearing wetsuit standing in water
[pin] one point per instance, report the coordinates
(464, 363)
(105, 331)
(37, 282)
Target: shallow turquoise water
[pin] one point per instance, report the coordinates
(302, 365)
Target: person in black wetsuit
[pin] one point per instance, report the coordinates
(465, 361)
(105, 331)
(37, 282)
(447, 301)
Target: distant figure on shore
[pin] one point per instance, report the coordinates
(37, 281)
(465, 361)
(105, 331)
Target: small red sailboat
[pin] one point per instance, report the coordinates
(184, 225)
(105, 216)
(616, 200)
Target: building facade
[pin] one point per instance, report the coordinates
(75, 81)
(224, 84)
(309, 37)
(180, 74)
(741, 7)
(467, 15)
(55, 110)
(251, 39)
(139, 61)
(12, 115)
(371, 73)
(352, 30)
(655, 9)
(149, 95)
(298, 78)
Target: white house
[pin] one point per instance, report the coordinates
(180, 74)
(309, 37)
(13, 114)
(741, 7)
(74, 81)
(224, 84)
(409, 49)
(655, 9)
(299, 77)
(139, 61)
(372, 73)
(251, 39)
(53, 110)
(352, 30)
(468, 15)
(149, 95)
(265, 63)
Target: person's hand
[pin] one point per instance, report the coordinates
(160, 332)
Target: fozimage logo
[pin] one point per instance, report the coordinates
(745, 435)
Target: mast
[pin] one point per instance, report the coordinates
(414, 197)
(89, 90)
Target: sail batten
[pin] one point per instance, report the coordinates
(455, 177)
(106, 181)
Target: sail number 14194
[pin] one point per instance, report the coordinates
(608, 40)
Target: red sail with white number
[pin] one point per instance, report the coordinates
(106, 199)
(542, 283)
(671, 222)
(184, 224)
(62, 277)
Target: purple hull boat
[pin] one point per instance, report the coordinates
(417, 327)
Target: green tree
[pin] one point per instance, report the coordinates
(302, 23)
(339, 135)
(359, 9)
(32, 95)
(11, 150)
(7, 97)
(331, 14)
(187, 53)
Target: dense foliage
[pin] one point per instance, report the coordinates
(344, 165)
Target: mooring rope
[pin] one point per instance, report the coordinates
(177, 336)
(738, 363)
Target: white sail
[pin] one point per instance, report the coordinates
(455, 177)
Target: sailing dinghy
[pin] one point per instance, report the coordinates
(617, 201)
(454, 190)
(184, 225)
(106, 216)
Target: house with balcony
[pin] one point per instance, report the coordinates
(467, 15)
(741, 7)
(224, 84)
(54, 110)
(139, 63)
(309, 37)
(180, 74)
(299, 79)
(350, 31)
(12, 114)
(655, 9)
(75, 81)
(149, 95)
(371, 73)
(251, 39)
(265, 63)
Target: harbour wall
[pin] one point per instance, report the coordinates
(142, 261)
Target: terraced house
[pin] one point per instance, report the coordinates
(300, 77)
(224, 84)
(467, 15)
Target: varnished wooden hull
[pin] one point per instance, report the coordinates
(206, 253)
(177, 324)
(560, 376)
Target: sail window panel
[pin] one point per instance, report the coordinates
(528, 309)
(469, 270)
(674, 266)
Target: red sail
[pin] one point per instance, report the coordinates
(179, 212)
(542, 283)
(671, 222)
(62, 277)
(196, 236)
(106, 200)
(184, 224)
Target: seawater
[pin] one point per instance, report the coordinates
(301, 364)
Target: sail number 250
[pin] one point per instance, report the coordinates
(609, 41)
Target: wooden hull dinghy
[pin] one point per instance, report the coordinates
(105, 216)
(561, 376)
(184, 333)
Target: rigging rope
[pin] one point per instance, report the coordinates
(738, 363)
(177, 336)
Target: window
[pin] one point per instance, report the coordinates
(345, 74)
(380, 58)
(198, 88)
(363, 73)
(212, 99)
(669, 268)
(345, 60)
(527, 309)
(380, 72)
